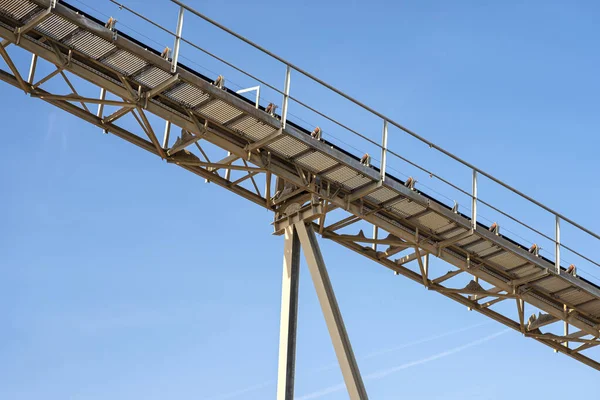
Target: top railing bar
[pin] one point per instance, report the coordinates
(391, 121)
(183, 39)
(137, 14)
(335, 121)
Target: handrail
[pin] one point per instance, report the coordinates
(382, 146)
(391, 121)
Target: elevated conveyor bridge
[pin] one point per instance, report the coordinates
(311, 185)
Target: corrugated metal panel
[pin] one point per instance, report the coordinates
(56, 27)
(89, 44)
(16, 9)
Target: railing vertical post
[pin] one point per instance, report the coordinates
(384, 137)
(286, 96)
(557, 244)
(474, 202)
(177, 40)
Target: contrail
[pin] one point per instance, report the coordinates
(385, 372)
(408, 344)
(252, 388)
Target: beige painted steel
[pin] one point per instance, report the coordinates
(331, 312)
(289, 315)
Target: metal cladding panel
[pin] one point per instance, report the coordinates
(488, 252)
(252, 128)
(316, 161)
(480, 248)
(56, 27)
(507, 260)
(219, 111)
(575, 297)
(124, 62)
(16, 9)
(287, 146)
(467, 241)
(522, 272)
(448, 234)
(89, 44)
(152, 77)
(592, 308)
(552, 284)
(188, 95)
(381, 195)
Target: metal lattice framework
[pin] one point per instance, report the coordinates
(301, 177)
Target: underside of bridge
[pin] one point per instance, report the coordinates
(311, 185)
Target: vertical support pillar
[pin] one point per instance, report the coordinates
(177, 40)
(331, 312)
(384, 137)
(557, 244)
(286, 95)
(474, 202)
(289, 315)
(165, 143)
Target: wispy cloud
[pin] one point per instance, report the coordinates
(252, 388)
(386, 372)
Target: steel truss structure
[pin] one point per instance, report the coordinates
(276, 164)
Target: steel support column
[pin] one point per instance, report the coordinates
(289, 315)
(331, 312)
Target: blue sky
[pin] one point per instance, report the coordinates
(125, 277)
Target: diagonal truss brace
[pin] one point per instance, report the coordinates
(300, 233)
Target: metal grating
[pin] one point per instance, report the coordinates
(407, 208)
(152, 77)
(188, 95)
(124, 62)
(89, 44)
(219, 111)
(288, 147)
(507, 260)
(432, 221)
(252, 128)
(16, 9)
(56, 27)
(316, 161)
(381, 195)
